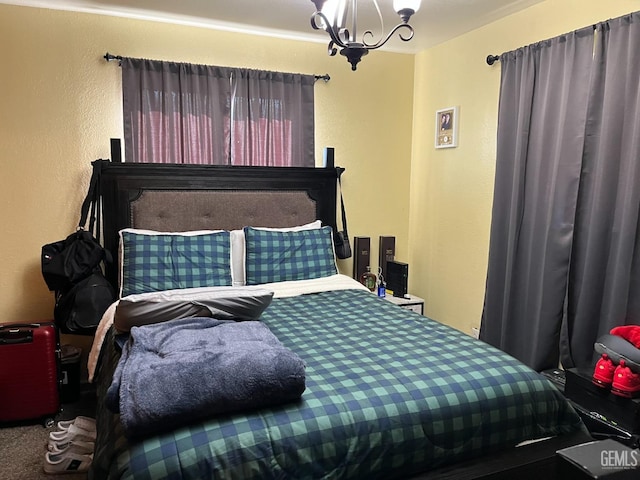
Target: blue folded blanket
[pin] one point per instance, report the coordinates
(175, 372)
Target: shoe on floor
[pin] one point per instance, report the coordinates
(626, 383)
(604, 372)
(63, 445)
(59, 440)
(71, 433)
(83, 423)
(68, 462)
(76, 446)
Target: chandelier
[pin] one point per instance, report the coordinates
(333, 15)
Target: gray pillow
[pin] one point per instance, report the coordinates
(224, 303)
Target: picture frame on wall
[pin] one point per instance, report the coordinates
(447, 127)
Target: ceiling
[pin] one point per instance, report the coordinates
(436, 21)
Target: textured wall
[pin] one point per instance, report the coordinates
(452, 189)
(61, 103)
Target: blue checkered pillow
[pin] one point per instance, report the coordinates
(275, 256)
(154, 261)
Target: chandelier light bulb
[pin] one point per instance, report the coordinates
(406, 8)
(335, 11)
(406, 4)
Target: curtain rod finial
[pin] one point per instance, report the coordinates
(491, 59)
(108, 57)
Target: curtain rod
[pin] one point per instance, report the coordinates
(110, 58)
(491, 59)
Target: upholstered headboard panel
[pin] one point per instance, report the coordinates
(179, 211)
(168, 197)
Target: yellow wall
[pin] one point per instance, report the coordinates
(452, 189)
(61, 103)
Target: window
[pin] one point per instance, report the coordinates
(184, 113)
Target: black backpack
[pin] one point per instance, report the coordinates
(68, 261)
(80, 307)
(72, 268)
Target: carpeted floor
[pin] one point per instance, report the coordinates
(22, 447)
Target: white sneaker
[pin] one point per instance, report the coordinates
(76, 446)
(83, 423)
(61, 439)
(67, 462)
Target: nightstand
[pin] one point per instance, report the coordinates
(410, 302)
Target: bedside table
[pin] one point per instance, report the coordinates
(410, 302)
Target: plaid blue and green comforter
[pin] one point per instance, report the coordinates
(389, 393)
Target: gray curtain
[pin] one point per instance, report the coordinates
(555, 160)
(175, 112)
(272, 119)
(604, 278)
(185, 113)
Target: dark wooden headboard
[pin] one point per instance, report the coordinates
(169, 197)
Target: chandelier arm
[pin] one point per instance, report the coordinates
(334, 37)
(345, 36)
(369, 32)
(331, 49)
(373, 46)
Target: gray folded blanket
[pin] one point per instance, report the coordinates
(182, 370)
(223, 303)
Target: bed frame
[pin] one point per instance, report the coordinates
(169, 197)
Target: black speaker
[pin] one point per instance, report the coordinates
(329, 161)
(397, 278)
(386, 252)
(361, 259)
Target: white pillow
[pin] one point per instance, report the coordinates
(238, 274)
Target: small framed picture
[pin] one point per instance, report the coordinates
(447, 127)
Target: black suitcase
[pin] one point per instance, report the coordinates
(29, 372)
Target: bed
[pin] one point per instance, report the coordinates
(387, 393)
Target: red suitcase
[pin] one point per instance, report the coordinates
(29, 372)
